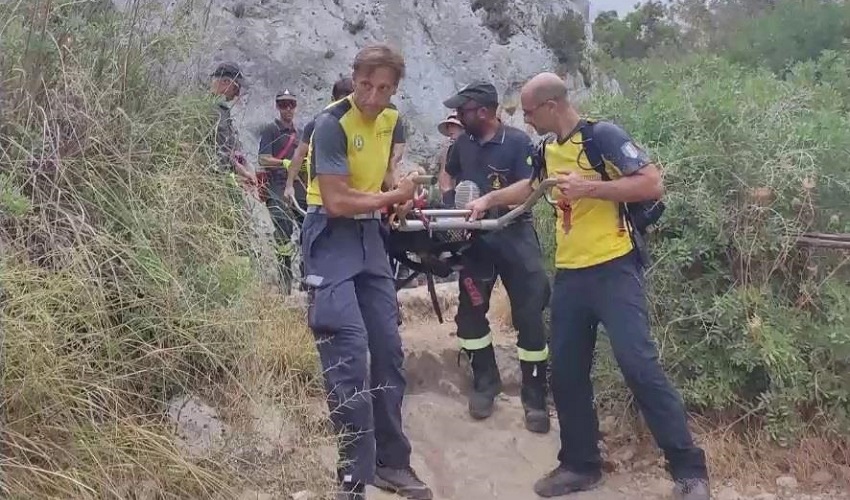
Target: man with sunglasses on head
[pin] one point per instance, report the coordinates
(278, 142)
(493, 156)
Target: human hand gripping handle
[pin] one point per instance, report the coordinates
(479, 207)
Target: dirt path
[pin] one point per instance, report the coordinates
(463, 459)
(477, 460)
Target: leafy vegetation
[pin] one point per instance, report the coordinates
(125, 282)
(773, 33)
(749, 323)
(565, 35)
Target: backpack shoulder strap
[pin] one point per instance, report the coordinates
(539, 159)
(594, 155)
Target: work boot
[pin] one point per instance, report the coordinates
(533, 395)
(691, 489)
(486, 382)
(562, 481)
(402, 482)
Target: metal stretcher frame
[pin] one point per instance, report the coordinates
(443, 220)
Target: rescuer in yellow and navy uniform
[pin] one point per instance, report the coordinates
(353, 310)
(599, 279)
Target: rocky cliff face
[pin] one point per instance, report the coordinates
(305, 45)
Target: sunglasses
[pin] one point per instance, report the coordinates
(286, 105)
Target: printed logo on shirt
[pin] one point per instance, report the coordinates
(358, 142)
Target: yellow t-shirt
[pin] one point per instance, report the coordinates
(597, 231)
(344, 142)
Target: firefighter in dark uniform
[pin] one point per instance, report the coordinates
(493, 155)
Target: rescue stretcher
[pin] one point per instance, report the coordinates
(431, 240)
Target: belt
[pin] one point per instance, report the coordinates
(373, 215)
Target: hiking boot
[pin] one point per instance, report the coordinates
(562, 481)
(486, 382)
(533, 395)
(691, 489)
(402, 482)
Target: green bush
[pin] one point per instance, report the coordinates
(564, 34)
(124, 277)
(748, 322)
(791, 31)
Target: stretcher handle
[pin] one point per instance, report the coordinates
(449, 223)
(424, 180)
(419, 180)
(295, 205)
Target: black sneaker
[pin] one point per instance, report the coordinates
(402, 482)
(562, 481)
(691, 489)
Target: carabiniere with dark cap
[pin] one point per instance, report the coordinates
(228, 70)
(483, 93)
(286, 95)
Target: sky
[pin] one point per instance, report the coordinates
(621, 6)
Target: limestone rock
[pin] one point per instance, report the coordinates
(305, 45)
(660, 487)
(822, 477)
(198, 427)
(728, 493)
(765, 496)
(786, 482)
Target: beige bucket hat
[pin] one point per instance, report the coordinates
(443, 126)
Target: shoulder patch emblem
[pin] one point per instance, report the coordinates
(630, 150)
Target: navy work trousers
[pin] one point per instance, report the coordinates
(613, 294)
(513, 254)
(353, 314)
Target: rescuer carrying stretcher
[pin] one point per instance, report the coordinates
(486, 157)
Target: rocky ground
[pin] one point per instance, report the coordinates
(496, 458)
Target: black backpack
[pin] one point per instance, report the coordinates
(639, 215)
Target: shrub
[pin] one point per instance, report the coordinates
(564, 34)
(748, 323)
(496, 18)
(125, 280)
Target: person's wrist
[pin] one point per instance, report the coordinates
(396, 196)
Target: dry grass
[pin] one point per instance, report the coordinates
(126, 279)
(740, 454)
(748, 457)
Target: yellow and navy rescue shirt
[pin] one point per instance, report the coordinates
(344, 142)
(597, 233)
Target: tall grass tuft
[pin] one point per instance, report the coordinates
(125, 279)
